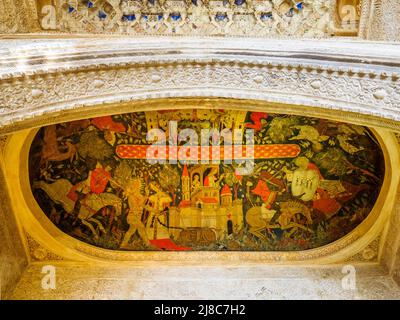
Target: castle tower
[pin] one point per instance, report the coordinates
(237, 213)
(226, 196)
(152, 120)
(185, 184)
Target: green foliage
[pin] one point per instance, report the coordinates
(92, 146)
(169, 177)
(280, 129)
(333, 161)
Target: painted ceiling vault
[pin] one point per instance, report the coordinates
(118, 182)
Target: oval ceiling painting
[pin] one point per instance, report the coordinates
(206, 180)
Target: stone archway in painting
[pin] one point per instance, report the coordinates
(313, 181)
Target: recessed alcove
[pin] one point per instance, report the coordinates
(253, 217)
(103, 181)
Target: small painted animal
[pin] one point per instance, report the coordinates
(50, 150)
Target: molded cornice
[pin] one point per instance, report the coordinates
(45, 81)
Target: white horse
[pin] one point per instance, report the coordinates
(58, 192)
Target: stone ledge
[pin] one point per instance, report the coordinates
(80, 281)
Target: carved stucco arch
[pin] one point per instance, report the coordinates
(206, 75)
(345, 79)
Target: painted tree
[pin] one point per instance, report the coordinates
(170, 179)
(92, 146)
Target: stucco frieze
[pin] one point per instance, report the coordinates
(336, 77)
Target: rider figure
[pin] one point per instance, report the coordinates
(95, 183)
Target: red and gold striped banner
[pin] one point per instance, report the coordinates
(272, 151)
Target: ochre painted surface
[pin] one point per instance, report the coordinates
(313, 182)
(13, 257)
